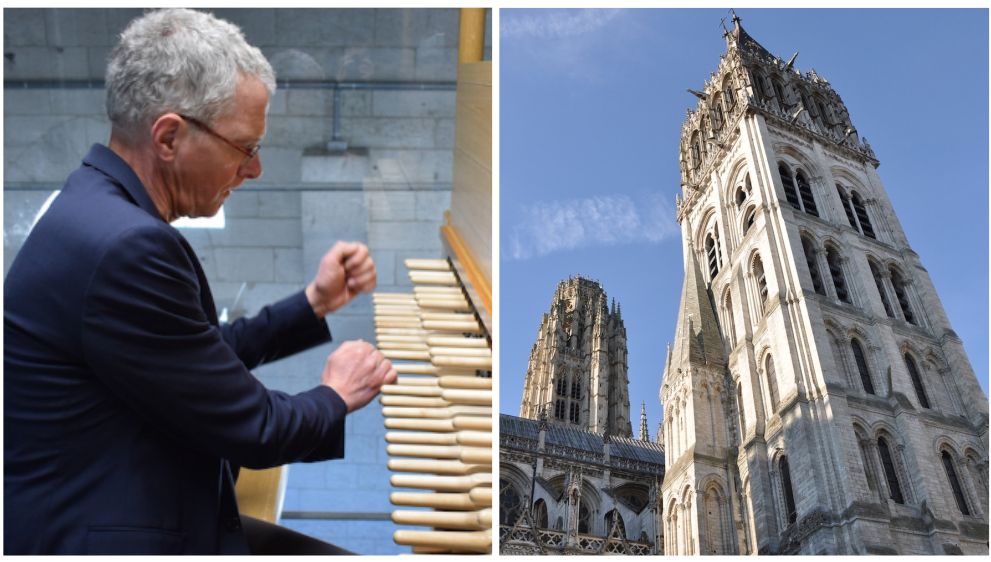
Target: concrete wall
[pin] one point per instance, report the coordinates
(386, 183)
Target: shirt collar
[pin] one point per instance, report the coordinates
(108, 162)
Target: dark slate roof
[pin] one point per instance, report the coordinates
(748, 44)
(621, 447)
(634, 449)
(519, 427)
(573, 437)
(696, 337)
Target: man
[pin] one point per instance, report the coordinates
(127, 408)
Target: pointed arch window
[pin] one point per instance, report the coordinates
(913, 373)
(704, 135)
(741, 196)
(879, 282)
(812, 259)
(887, 462)
(710, 252)
(728, 96)
(760, 280)
(861, 361)
(836, 273)
(739, 411)
(845, 203)
(540, 514)
(805, 191)
(583, 517)
(712, 509)
(573, 412)
(902, 295)
(717, 113)
(743, 192)
(696, 151)
(510, 503)
(800, 197)
(772, 382)
(612, 516)
(862, 445)
(865, 221)
(748, 219)
(576, 388)
(779, 91)
(789, 184)
(824, 115)
(760, 85)
(951, 475)
(729, 329)
(791, 513)
(562, 386)
(809, 106)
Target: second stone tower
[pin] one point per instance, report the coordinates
(578, 366)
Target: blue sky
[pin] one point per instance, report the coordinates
(591, 107)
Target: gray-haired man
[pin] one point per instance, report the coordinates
(127, 407)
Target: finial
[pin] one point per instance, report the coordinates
(791, 61)
(736, 18)
(644, 435)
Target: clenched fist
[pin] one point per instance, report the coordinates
(345, 271)
(356, 371)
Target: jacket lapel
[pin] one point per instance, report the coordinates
(113, 166)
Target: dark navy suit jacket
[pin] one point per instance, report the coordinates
(127, 408)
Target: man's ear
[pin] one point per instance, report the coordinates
(166, 132)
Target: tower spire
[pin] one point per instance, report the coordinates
(644, 435)
(697, 338)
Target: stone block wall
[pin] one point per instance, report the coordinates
(378, 82)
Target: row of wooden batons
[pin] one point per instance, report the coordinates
(439, 412)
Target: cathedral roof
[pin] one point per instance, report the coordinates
(572, 437)
(519, 427)
(696, 335)
(745, 43)
(634, 449)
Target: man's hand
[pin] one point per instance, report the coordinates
(356, 371)
(345, 271)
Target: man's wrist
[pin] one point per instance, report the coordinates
(319, 308)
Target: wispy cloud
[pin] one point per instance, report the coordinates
(553, 226)
(553, 23)
(571, 44)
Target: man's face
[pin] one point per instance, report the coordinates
(207, 169)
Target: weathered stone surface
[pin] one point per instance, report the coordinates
(790, 300)
(572, 445)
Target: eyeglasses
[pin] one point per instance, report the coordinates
(249, 153)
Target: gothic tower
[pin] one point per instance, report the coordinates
(816, 399)
(577, 371)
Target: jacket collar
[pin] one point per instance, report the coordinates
(108, 162)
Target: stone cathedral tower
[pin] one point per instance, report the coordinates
(577, 371)
(816, 399)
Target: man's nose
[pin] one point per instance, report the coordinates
(252, 169)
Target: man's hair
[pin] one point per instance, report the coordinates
(181, 61)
